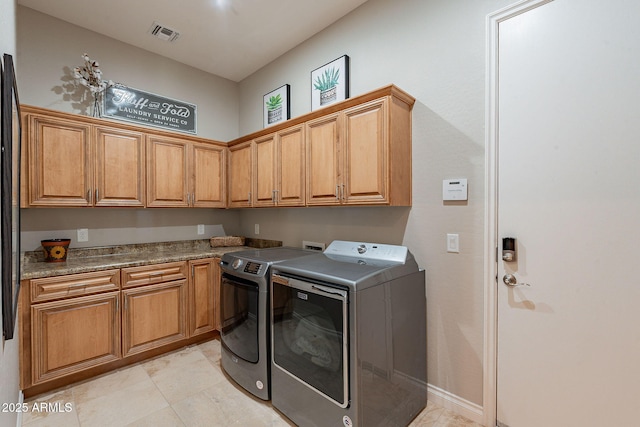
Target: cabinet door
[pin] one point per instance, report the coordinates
(120, 167)
(264, 171)
(366, 154)
(74, 334)
(290, 154)
(201, 297)
(60, 172)
(208, 174)
(324, 181)
(153, 315)
(167, 179)
(217, 274)
(240, 174)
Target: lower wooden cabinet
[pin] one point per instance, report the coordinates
(78, 325)
(153, 315)
(202, 296)
(74, 334)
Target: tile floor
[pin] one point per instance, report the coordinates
(183, 388)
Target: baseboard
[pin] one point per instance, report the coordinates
(20, 401)
(455, 404)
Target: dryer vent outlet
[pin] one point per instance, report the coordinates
(313, 246)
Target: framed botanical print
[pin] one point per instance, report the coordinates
(330, 83)
(275, 106)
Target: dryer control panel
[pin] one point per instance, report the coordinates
(368, 251)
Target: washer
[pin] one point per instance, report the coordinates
(244, 306)
(349, 336)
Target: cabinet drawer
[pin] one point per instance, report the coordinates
(150, 274)
(74, 285)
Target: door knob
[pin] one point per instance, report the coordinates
(510, 280)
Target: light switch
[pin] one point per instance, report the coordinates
(200, 228)
(453, 243)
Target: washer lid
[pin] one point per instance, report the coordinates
(351, 271)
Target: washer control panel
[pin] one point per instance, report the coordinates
(366, 251)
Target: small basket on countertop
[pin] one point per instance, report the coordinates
(217, 242)
(55, 250)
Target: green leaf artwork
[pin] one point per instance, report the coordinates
(327, 80)
(274, 102)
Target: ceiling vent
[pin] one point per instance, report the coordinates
(163, 33)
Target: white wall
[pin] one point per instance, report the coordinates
(48, 49)
(435, 50)
(9, 380)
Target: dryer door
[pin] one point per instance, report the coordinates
(239, 314)
(310, 335)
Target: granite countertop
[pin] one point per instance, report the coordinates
(83, 260)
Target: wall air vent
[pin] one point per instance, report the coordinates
(163, 33)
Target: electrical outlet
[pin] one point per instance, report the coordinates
(200, 228)
(453, 243)
(83, 234)
(257, 229)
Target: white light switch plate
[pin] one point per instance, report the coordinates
(83, 234)
(453, 243)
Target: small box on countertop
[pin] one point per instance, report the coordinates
(226, 241)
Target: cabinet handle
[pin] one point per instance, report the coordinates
(89, 196)
(338, 192)
(274, 196)
(97, 193)
(342, 192)
(193, 199)
(249, 200)
(77, 285)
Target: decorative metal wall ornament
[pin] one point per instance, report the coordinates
(134, 105)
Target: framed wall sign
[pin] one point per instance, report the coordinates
(145, 108)
(330, 83)
(11, 135)
(275, 106)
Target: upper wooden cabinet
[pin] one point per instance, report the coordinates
(356, 152)
(361, 156)
(290, 167)
(167, 176)
(77, 163)
(241, 175)
(208, 175)
(182, 173)
(324, 160)
(72, 160)
(119, 167)
(269, 170)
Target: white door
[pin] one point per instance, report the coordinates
(568, 189)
